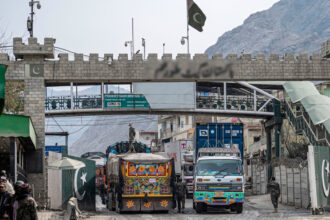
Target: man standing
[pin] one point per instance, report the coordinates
(24, 206)
(5, 202)
(180, 193)
(131, 137)
(274, 193)
(9, 187)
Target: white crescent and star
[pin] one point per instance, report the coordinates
(83, 179)
(36, 70)
(325, 167)
(195, 17)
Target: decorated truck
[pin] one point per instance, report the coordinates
(140, 182)
(219, 179)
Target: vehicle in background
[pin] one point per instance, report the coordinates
(219, 179)
(219, 135)
(182, 153)
(140, 182)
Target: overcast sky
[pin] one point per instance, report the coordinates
(102, 26)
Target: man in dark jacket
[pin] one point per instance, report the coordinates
(131, 134)
(24, 206)
(5, 202)
(180, 193)
(275, 192)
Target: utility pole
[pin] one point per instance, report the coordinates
(131, 42)
(30, 19)
(186, 38)
(163, 48)
(144, 48)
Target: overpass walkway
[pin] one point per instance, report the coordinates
(308, 111)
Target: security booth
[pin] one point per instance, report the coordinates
(18, 153)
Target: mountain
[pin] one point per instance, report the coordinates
(106, 130)
(289, 26)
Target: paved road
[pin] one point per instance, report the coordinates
(253, 209)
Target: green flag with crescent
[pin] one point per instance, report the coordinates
(196, 18)
(2, 86)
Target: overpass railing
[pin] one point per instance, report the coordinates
(80, 102)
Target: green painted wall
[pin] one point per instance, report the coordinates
(85, 190)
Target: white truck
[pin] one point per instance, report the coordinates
(182, 152)
(218, 179)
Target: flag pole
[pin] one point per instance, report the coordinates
(188, 28)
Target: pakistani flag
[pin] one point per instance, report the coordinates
(2, 86)
(196, 17)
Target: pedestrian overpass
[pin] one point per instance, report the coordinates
(235, 99)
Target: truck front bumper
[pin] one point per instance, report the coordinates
(218, 198)
(136, 203)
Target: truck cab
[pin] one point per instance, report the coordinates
(219, 180)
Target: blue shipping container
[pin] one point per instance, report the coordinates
(219, 135)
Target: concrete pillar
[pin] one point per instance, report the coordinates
(277, 131)
(34, 107)
(269, 152)
(13, 159)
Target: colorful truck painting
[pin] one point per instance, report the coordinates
(140, 182)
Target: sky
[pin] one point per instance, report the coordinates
(103, 26)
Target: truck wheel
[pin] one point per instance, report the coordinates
(194, 205)
(200, 207)
(239, 208)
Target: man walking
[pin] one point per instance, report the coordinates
(181, 194)
(275, 192)
(5, 203)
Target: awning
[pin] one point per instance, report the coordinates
(297, 90)
(327, 125)
(18, 126)
(317, 107)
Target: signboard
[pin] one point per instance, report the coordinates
(117, 101)
(58, 149)
(2, 86)
(319, 174)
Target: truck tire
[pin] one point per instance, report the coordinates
(239, 208)
(200, 207)
(194, 205)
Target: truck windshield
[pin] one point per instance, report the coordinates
(188, 170)
(223, 167)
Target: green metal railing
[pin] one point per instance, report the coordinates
(301, 122)
(233, 103)
(80, 102)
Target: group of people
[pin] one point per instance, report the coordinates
(16, 203)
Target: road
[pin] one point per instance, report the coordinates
(254, 208)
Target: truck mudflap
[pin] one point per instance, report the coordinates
(153, 204)
(219, 198)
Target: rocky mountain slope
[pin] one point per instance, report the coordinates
(106, 130)
(289, 26)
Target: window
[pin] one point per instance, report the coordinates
(181, 124)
